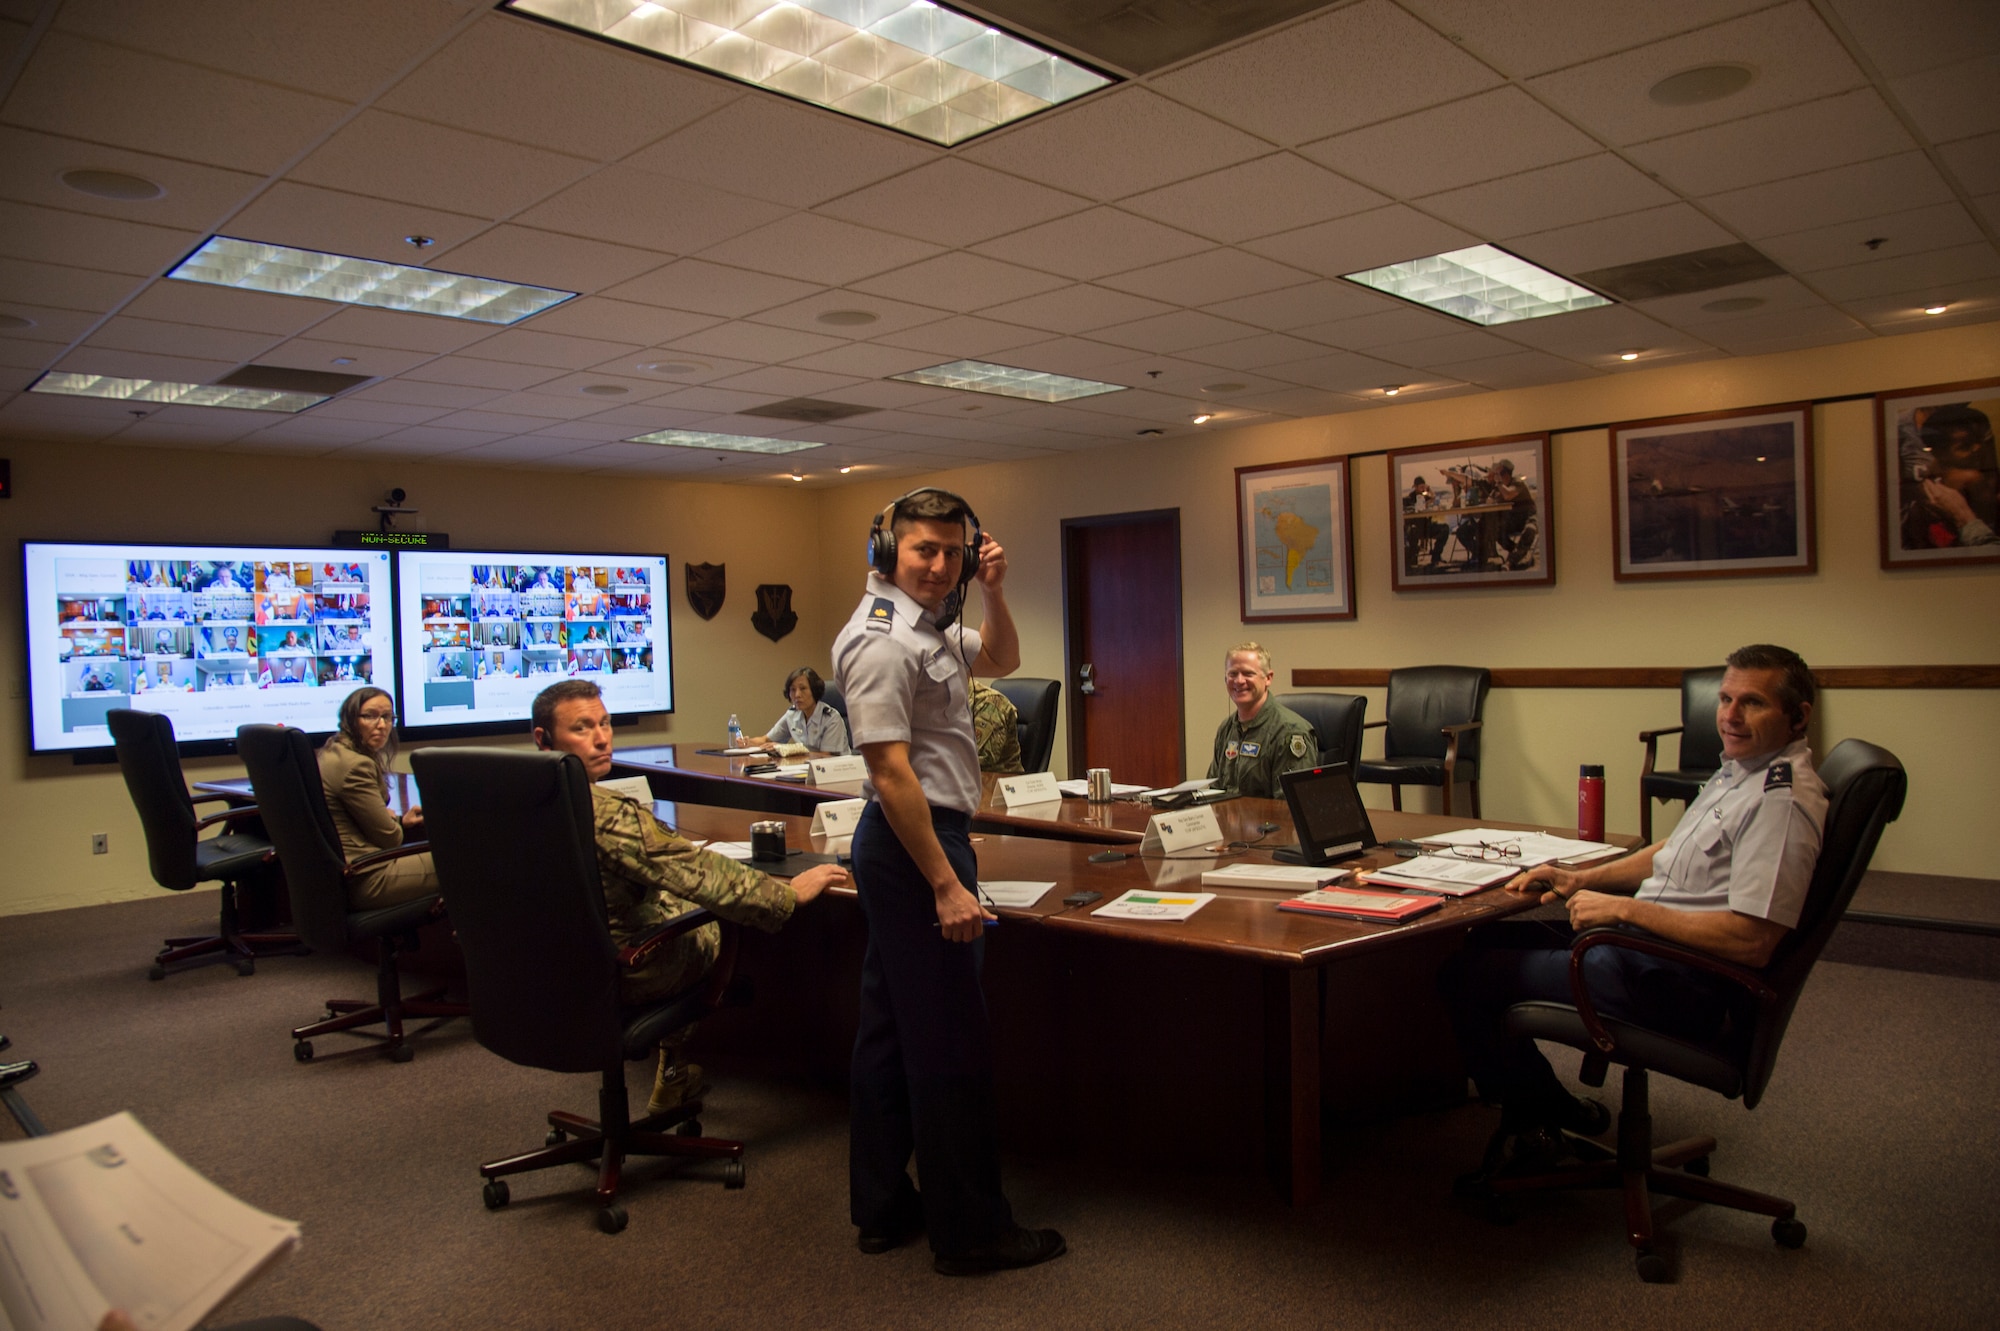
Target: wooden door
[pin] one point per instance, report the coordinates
(1122, 640)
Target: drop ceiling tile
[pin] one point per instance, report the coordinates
(1913, 231)
(1203, 279)
(818, 249)
(500, 424)
(313, 429)
(638, 388)
(1197, 381)
(1069, 355)
(774, 149)
(953, 202)
(1493, 134)
(58, 328)
(1275, 193)
(546, 404)
(1975, 163)
(1448, 348)
(436, 166)
(585, 98)
(1178, 331)
(446, 397)
(677, 369)
(1593, 336)
(25, 360)
(124, 333)
(1256, 353)
(394, 329)
(1120, 142)
(1903, 38)
(1549, 196)
(755, 342)
(105, 94)
(1078, 309)
(805, 315)
(865, 360)
(790, 381)
(1306, 402)
(1341, 372)
(1366, 240)
(1795, 58)
(641, 418)
(1566, 32)
(64, 288)
(468, 373)
(1975, 301)
(44, 235)
(602, 432)
(226, 307)
(1853, 127)
(439, 438)
(1866, 189)
(196, 197)
(619, 321)
(528, 346)
(1520, 369)
(353, 407)
(715, 400)
(144, 365)
(327, 220)
(608, 455)
(1089, 245)
(649, 212)
(1361, 63)
(1585, 247)
(960, 281)
(887, 393)
(1309, 303)
(155, 433)
(962, 336)
(1402, 323)
(524, 449)
(1988, 207)
(1937, 269)
(543, 258)
(710, 288)
(1955, 102)
(1783, 331)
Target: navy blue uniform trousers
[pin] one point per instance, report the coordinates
(922, 1079)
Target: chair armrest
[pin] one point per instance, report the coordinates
(1594, 1025)
(210, 799)
(384, 856)
(1651, 739)
(635, 952)
(1370, 725)
(226, 816)
(1647, 737)
(1460, 728)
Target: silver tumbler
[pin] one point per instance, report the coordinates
(1100, 785)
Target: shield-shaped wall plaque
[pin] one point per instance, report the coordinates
(705, 589)
(774, 617)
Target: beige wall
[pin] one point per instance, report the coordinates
(1849, 613)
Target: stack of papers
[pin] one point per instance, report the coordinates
(1446, 875)
(1199, 783)
(1535, 847)
(1019, 896)
(1080, 789)
(788, 772)
(1289, 877)
(1141, 904)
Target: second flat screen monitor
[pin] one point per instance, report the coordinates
(483, 631)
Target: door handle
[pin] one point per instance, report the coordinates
(1085, 684)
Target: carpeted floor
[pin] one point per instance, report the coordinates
(1880, 1123)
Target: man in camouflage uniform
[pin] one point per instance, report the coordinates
(653, 875)
(997, 727)
(1261, 740)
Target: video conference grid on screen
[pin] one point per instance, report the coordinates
(483, 632)
(212, 636)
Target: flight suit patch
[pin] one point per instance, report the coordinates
(1778, 777)
(882, 615)
(1251, 748)
(1298, 746)
(1229, 751)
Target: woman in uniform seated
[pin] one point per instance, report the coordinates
(354, 767)
(811, 721)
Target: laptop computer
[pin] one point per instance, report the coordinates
(1327, 814)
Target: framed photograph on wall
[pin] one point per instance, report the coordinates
(1472, 514)
(1937, 478)
(1294, 541)
(1717, 495)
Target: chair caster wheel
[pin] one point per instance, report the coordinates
(690, 1127)
(1652, 1266)
(612, 1219)
(1789, 1233)
(1697, 1167)
(732, 1175)
(303, 1051)
(245, 967)
(400, 1053)
(495, 1194)
(156, 972)
(556, 1137)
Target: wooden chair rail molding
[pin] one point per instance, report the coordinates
(1669, 677)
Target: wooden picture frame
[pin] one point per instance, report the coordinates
(1933, 513)
(1476, 513)
(1717, 494)
(1295, 541)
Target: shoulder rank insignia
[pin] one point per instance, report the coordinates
(882, 615)
(1298, 746)
(1251, 748)
(1779, 776)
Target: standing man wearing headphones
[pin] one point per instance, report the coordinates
(923, 1057)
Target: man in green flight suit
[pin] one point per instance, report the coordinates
(996, 725)
(1261, 740)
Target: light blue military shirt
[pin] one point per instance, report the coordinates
(1749, 841)
(905, 680)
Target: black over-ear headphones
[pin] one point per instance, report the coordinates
(882, 536)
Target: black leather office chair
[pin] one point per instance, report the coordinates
(1701, 748)
(1431, 737)
(833, 699)
(1035, 702)
(1337, 720)
(515, 848)
(284, 774)
(1865, 786)
(181, 857)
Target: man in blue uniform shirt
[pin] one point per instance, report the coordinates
(922, 1079)
(1731, 881)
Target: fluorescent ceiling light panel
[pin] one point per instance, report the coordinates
(977, 376)
(1481, 285)
(254, 266)
(734, 443)
(907, 64)
(179, 395)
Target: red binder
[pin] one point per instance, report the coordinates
(1351, 904)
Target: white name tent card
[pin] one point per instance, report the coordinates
(630, 787)
(1033, 788)
(1182, 829)
(1015, 895)
(839, 771)
(837, 817)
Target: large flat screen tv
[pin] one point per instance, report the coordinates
(481, 632)
(213, 636)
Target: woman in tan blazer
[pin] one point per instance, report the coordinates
(354, 768)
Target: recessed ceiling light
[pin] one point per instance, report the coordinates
(606, 390)
(253, 266)
(797, 476)
(186, 395)
(1706, 83)
(911, 65)
(1734, 304)
(1202, 418)
(112, 185)
(733, 443)
(978, 376)
(1390, 390)
(1224, 388)
(845, 470)
(1144, 433)
(673, 366)
(1762, 458)
(343, 360)
(848, 318)
(1936, 309)
(1628, 355)
(1480, 285)
(14, 323)
(420, 242)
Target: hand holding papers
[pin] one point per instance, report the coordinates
(1018, 896)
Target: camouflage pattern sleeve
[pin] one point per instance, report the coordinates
(639, 858)
(997, 726)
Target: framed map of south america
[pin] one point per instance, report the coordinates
(1295, 541)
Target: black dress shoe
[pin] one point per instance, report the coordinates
(905, 1224)
(1020, 1247)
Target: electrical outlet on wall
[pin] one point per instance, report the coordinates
(100, 843)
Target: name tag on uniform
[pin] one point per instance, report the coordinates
(1034, 788)
(941, 667)
(838, 771)
(1183, 829)
(837, 817)
(1251, 748)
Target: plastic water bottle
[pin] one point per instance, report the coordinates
(735, 732)
(1590, 802)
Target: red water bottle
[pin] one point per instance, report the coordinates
(1590, 802)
